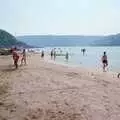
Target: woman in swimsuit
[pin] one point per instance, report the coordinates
(104, 61)
(15, 58)
(23, 57)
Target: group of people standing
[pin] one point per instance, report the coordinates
(53, 54)
(16, 56)
(22, 57)
(104, 57)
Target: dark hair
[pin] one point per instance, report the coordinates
(104, 53)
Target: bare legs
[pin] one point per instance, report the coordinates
(16, 64)
(23, 60)
(104, 67)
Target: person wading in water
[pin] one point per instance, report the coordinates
(104, 61)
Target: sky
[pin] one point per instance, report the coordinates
(71, 17)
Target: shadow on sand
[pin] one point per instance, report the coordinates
(7, 68)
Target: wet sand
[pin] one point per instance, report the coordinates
(48, 91)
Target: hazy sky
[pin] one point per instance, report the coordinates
(83, 17)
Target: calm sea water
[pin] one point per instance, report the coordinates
(92, 56)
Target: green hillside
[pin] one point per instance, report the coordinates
(7, 40)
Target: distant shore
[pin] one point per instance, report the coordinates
(48, 91)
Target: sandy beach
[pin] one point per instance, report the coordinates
(48, 91)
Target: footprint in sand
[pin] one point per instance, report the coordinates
(73, 74)
(105, 83)
(37, 114)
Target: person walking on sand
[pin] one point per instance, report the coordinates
(23, 60)
(15, 57)
(104, 61)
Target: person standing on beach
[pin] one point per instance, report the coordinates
(23, 57)
(83, 51)
(15, 57)
(67, 56)
(51, 54)
(104, 61)
(42, 54)
(54, 54)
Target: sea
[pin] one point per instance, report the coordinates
(91, 59)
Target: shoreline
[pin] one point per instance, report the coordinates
(50, 91)
(93, 69)
(92, 59)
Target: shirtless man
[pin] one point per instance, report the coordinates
(104, 61)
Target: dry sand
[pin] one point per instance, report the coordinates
(46, 91)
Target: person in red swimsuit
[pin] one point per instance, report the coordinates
(15, 58)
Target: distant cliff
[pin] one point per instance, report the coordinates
(7, 40)
(111, 40)
(70, 40)
(55, 40)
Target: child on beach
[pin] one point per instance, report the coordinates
(23, 57)
(104, 61)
